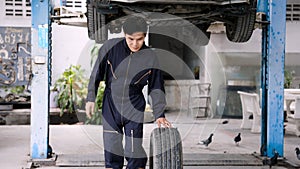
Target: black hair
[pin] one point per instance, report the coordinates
(134, 24)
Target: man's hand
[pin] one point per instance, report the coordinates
(163, 121)
(89, 109)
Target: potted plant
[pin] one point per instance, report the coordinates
(72, 90)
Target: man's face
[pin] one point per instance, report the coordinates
(135, 41)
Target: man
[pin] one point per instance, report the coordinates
(127, 65)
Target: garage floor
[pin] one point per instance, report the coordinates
(80, 146)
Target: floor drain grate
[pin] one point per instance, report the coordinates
(220, 160)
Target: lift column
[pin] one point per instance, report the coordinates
(272, 71)
(41, 78)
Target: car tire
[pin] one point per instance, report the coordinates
(101, 31)
(165, 149)
(242, 27)
(90, 22)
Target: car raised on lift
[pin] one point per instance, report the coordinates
(238, 16)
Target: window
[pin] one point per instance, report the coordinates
(293, 12)
(76, 5)
(18, 8)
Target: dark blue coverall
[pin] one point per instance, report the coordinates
(125, 74)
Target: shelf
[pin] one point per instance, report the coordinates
(199, 94)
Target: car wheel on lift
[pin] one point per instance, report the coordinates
(90, 22)
(242, 27)
(165, 149)
(101, 31)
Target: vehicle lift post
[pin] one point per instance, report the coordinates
(41, 54)
(272, 75)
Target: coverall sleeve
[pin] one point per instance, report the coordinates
(97, 74)
(157, 93)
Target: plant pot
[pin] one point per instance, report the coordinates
(53, 99)
(66, 118)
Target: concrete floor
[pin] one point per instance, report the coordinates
(80, 146)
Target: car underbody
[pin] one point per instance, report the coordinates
(238, 16)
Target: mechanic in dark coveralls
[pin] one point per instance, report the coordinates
(127, 65)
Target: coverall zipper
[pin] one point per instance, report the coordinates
(148, 73)
(125, 86)
(111, 69)
(132, 141)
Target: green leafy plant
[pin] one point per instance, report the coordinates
(17, 90)
(288, 79)
(94, 54)
(72, 89)
(96, 117)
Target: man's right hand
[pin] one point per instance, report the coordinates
(89, 109)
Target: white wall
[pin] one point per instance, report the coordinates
(249, 53)
(70, 46)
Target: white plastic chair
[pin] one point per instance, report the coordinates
(296, 116)
(250, 105)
